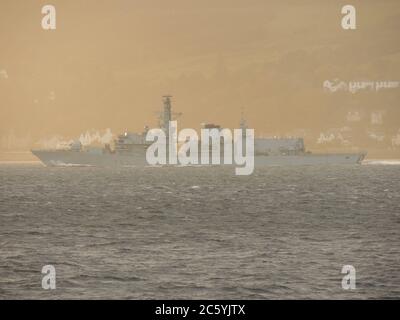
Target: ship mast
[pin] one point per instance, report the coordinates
(243, 123)
(167, 115)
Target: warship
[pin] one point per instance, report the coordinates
(129, 150)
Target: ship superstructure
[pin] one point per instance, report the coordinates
(129, 149)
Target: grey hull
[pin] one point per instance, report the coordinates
(72, 158)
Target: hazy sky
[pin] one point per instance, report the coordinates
(109, 62)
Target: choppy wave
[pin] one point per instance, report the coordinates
(200, 233)
(381, 162)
